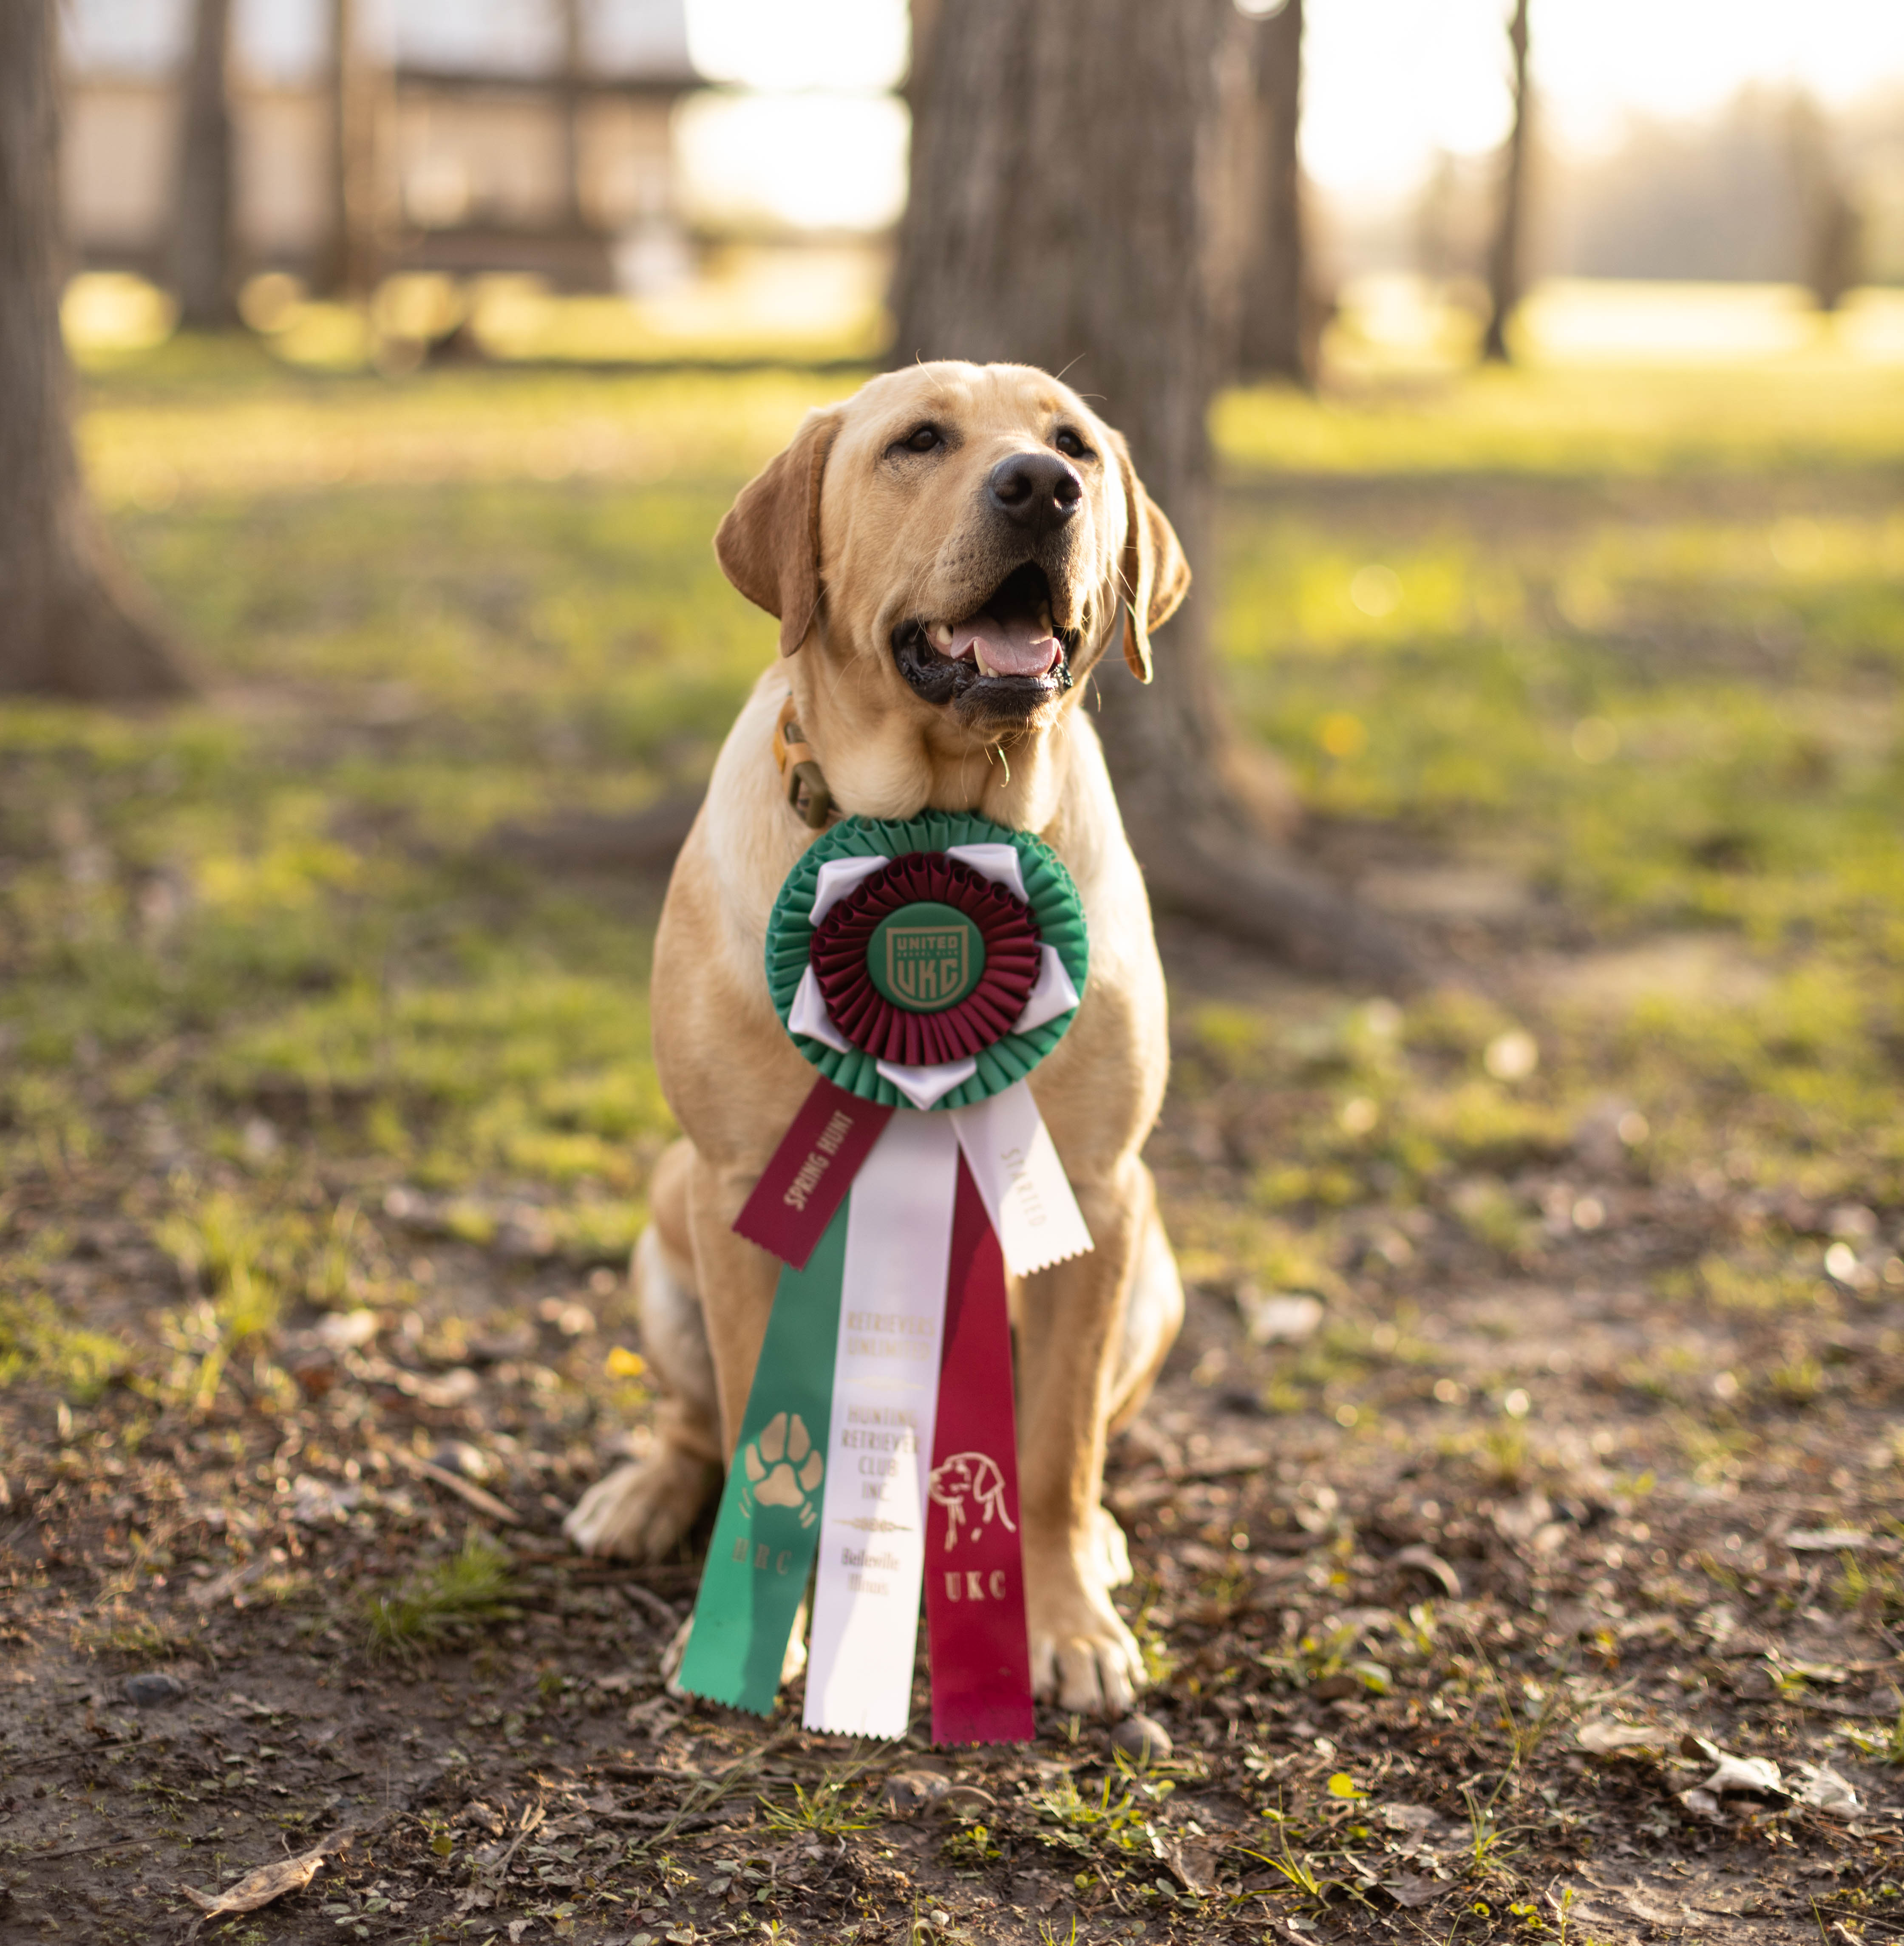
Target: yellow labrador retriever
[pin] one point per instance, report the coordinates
(950, 554)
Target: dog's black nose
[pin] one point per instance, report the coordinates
(1035, 491)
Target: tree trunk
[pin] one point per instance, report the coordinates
(570, 20)
(925, 14)
(1277, 331)
(348, 266)
(1072, 169)
(1504, 264)
(330, 271)
(69, 623)
(202, 270)
(1830, 222)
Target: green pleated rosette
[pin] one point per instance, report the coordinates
(1055, 907)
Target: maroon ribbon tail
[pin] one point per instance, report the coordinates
(975, 1568)
(811, 1172)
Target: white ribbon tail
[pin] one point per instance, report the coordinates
(872, 1552)
(1015, 1164)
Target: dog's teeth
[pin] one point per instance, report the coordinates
(942, 634)
(1044, 620)
(978, 656)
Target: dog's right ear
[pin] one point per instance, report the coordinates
(1155, 575)
(768, 544)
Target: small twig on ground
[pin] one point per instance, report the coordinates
(708, 1791)
(652, 1604)
(532, 1819)
(466, 1490)
(77, 1850)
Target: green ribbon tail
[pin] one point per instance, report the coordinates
(768, 1527)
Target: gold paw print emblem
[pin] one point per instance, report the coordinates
(782, 1467)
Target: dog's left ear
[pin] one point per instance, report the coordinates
(1155, 575)
(768, 544)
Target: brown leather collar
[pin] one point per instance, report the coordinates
(806, 782)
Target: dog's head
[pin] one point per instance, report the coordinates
(955, 543)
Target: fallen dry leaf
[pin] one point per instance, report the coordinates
(1604, 1737)
(256, 1889)
(1416, 1818)
(1751, 1776)
(1194, 1867)
(1825, 1790)
(1413, 1888)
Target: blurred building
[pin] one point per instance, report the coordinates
(530, 135)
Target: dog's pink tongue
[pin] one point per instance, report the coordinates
(1018, 647)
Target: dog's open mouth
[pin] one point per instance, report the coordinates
(1009, 646)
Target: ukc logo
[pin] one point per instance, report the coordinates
(927, 965)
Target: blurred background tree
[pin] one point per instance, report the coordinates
(1280, 310)
(346, 260)
(71, 623)
(203, 273)
(1832, 222)
(1506, 268)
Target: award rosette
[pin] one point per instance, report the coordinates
(925, 968)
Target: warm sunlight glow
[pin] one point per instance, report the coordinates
(1388, 82)
(813, 161)
(793, 44)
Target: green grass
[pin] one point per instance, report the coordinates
(827, 1811)
(76, 1363)
(1568, 422)
(1114, 1823)
(443, 1603)
(1626, 642)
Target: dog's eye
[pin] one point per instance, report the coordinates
(1069, 445)
(922, 440)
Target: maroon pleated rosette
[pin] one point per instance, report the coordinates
(870, 1021)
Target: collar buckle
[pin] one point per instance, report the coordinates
(799, 769)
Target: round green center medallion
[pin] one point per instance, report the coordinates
(926, 957)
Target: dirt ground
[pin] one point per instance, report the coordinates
(1432, 1647)
(1517, 1525)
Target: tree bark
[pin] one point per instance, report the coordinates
(1830, 222)
(1277, 331)
(569, 19)
(1072, 207)
(1505, 268)
(70, 624)
(348, 265)
(202, 239)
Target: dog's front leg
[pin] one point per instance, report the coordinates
(737, 1280)
(1070, 1325)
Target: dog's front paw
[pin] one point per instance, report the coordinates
(1110, 1550)
(1083, 1657)
(641, 1510)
